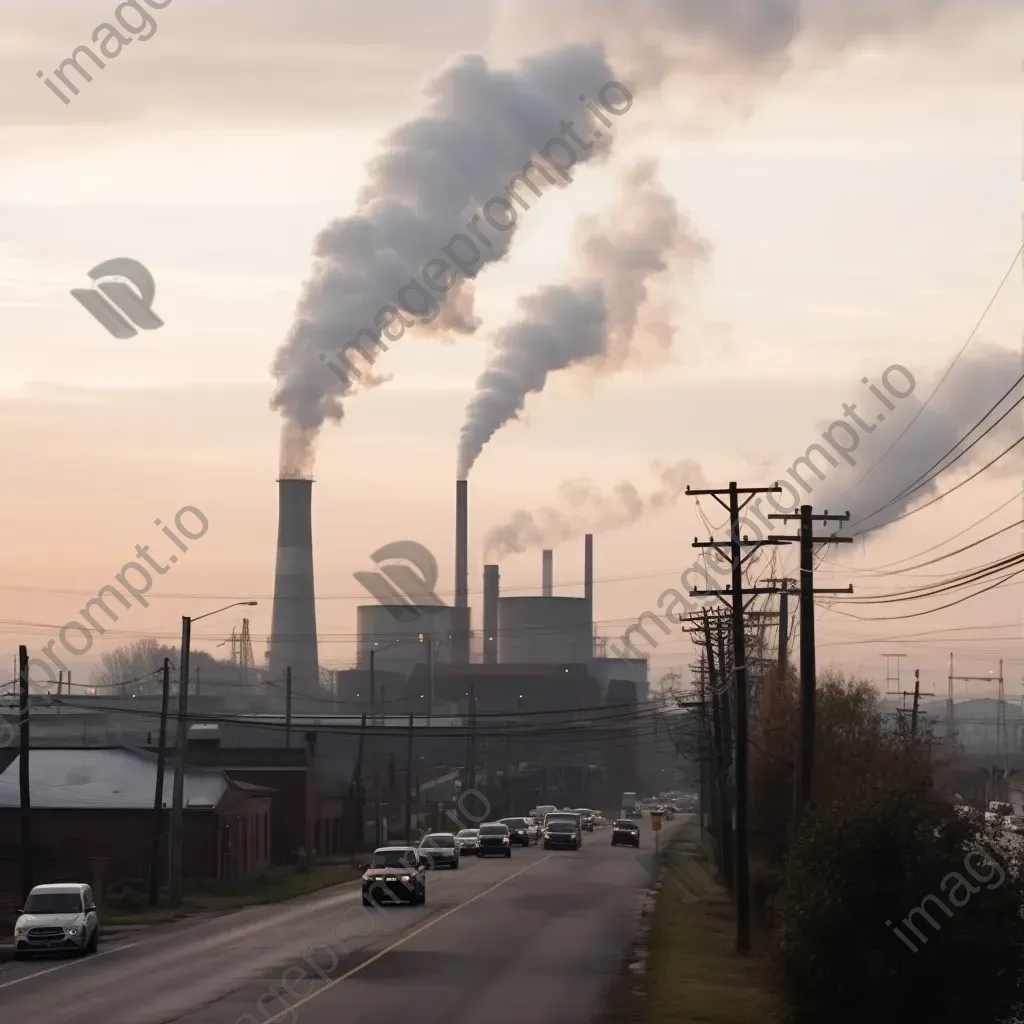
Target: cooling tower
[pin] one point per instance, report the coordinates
(293, 625)
(547, 573)
(460, 613)
(492, 591)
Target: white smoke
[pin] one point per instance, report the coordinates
(593, 320)
(882, 487)
(434, 175)
(584, 509)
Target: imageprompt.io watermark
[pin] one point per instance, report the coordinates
(121, 309)
(406, 581)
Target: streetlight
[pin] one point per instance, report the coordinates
(180, 740)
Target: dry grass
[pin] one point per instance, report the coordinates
(694, 975)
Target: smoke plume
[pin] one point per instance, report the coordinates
(903, 478)
(584, 509)
(418, 207)
(592, 320)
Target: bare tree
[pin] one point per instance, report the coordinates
(128, 663)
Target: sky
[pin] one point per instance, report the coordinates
(860, 208)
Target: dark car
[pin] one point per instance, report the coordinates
(518, 830)
(394, 875)
(494, 840)
(586, 818)
(561, 834)
(625, 833)
(440, 850)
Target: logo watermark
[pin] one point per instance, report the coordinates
(406, 584)
(110, 39)
(133, 304)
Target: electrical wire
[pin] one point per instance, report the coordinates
(949, 370)
(945, 494)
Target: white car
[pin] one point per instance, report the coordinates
(58, 918)
(468, 840)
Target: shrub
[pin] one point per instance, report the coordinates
(896, 910)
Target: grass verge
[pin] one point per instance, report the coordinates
(276, 885)
(693, 974)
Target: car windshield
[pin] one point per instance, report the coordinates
(494, 830)
(469, 833)
(394, 859)
(54, 903)
(438, 841)
(514, 822)
(561, 826)
(624, 824)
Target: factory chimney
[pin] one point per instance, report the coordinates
(492, 591)
(588, 579)
(293, 623)
(588, 568)
(547, 573)
(460, 614)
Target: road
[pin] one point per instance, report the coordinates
(535, 937)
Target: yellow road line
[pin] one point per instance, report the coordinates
(277, 1018)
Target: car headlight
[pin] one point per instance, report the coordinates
(20, 930)
(405, 878)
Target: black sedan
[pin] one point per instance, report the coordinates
(494, 840)
(625, 833)
(561, 835)
(394, 875)
(518, 830)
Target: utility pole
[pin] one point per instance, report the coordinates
(158, 796)
(471, 741)
(734, 597)
(24, 786)
(784, 584)
(917, 701)
(288, 708)
(180, 741)
(408, 785)
(808, 668)
(374, 759)
(966, 679)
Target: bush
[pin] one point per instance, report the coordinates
(129, 901)
(896, 910)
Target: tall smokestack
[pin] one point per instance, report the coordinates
(588, 579)
(547, 579)
(460, 618)
(588, 568)
(492, 591)
(293, 624)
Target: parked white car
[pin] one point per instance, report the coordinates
(57, 918)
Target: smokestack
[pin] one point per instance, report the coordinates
(293, 624)
(460, 618)
(588, 568)
(492, 591)
(547, 573)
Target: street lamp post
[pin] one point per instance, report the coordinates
(180, 741)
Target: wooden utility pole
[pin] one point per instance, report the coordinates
(158, 796)
(180, 743)
(408, 784)
(785, 585)
(288, 708)
(735, 597)
(24, 779)
(808, 669)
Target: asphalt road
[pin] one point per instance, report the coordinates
(536, 938)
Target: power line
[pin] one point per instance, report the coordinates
(949, 370)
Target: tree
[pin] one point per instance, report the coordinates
(897, 909)
(128, 663)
